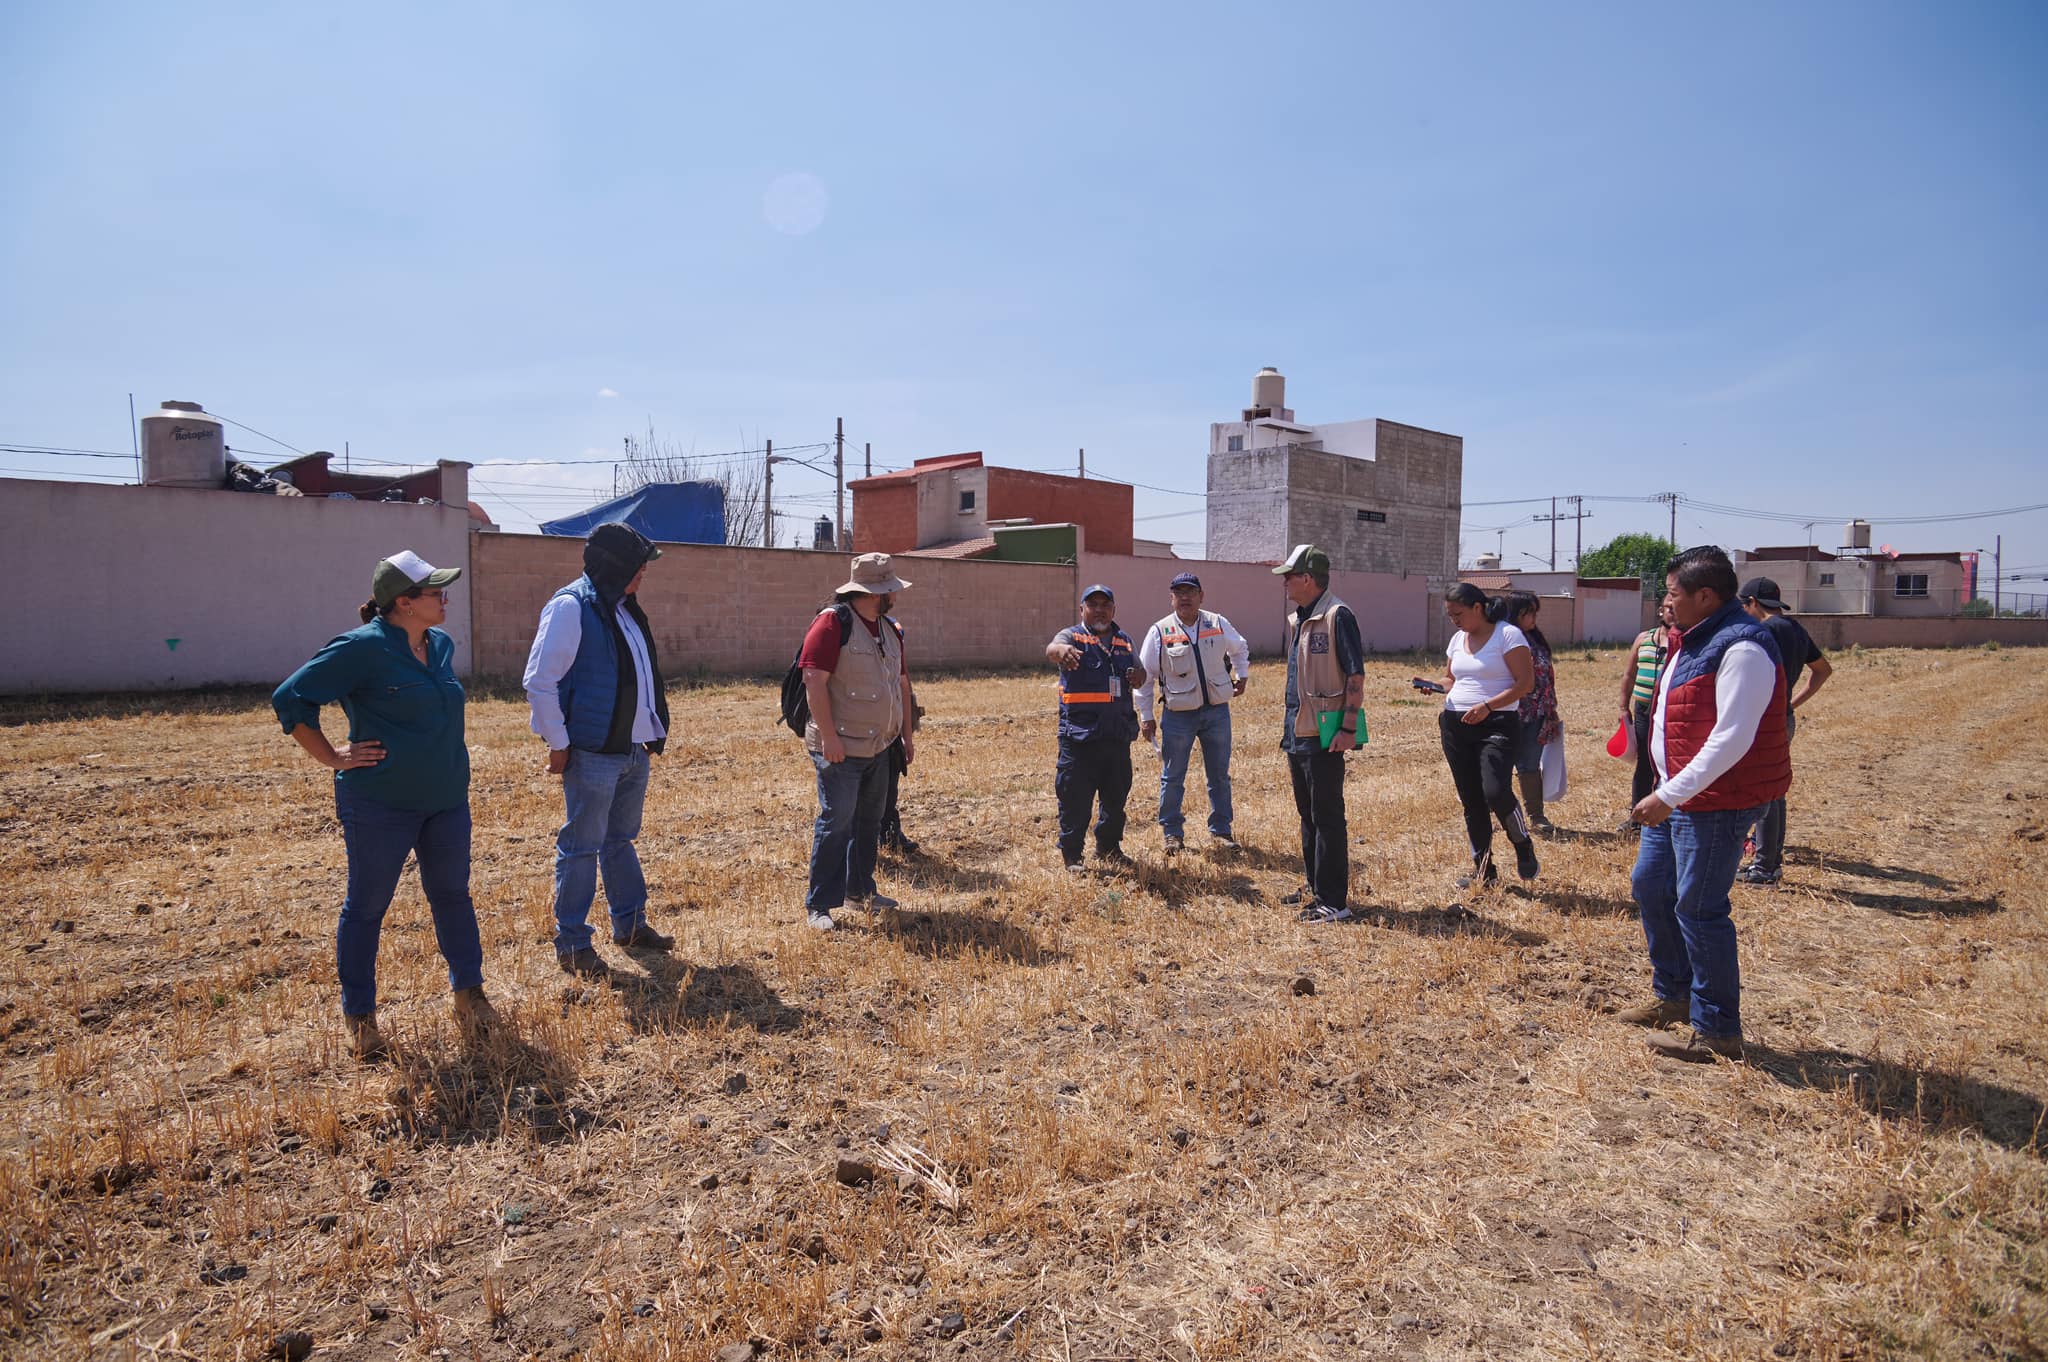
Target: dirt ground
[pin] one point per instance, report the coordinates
(1137, 1116)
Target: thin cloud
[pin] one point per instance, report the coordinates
(607, 392)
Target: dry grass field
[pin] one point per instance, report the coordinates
(1107, 1119)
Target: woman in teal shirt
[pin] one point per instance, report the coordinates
(401, 785)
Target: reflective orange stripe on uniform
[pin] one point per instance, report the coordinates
(1085, 697)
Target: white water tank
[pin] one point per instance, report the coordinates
(1487, 562)
(1856, 535)
(1269, 389)
(183, 447)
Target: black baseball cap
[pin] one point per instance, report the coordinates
(1763, 591)
(1185, 579)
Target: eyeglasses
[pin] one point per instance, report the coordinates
(437, 595)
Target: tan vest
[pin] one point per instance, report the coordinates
(867, 692)
(1179, 682)
(1318, 680)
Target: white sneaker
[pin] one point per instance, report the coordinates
(874, 903)
(819, 920)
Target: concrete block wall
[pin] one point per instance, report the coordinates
(173, 588)
(738, 611)
(1247, 520)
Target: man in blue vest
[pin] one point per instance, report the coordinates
(1098, 722)
(595, 689)
(1717, 739)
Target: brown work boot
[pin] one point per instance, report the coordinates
(473, 1011)
(1692, 1047)
(641, 936)
(584, 963)
(1662, 1012)
(365, 1041)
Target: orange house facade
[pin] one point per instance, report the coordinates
(954, 497)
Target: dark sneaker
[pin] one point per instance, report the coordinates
(873, 903)
(365, 1041)
(1323, 912)
(1482, 873)
(1692, 1047)
(1174, 844)
(1227, 845)
(1116, 859)
(584, 964)
(819, 920)
(1305, 894)
(642, 937)
(1525, 859)
(1075, 867)
(1756, 874)
(1657, 1012)
(894, 840)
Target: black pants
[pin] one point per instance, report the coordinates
(1325, 848)
(892, 821)
(1646, 772)
(1086, 771)
(1482, 762)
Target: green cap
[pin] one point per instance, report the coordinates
(402, 572)
(1305, 558)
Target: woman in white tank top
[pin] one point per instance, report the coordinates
(1488, 669)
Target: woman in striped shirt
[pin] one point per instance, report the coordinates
(1639, 697)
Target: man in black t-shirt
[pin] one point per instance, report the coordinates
(1760, 599)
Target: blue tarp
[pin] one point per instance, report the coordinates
(667, 512)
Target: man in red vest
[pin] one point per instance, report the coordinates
(1717, 739)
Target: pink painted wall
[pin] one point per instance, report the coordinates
(1392, 610)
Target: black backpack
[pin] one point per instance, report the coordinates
(796, 701)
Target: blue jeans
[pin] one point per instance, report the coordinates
(1529, 747)
(1178, 731)
(851, 794)
(604, 793)
(1685, 867)
(379, 838)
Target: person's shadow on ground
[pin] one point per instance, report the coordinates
(674, 993)
(1897, 1092)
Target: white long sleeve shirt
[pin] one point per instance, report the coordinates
(554, 652)
(1742, 692)
(1236, 653)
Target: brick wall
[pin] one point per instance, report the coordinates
(885, 518)
(742, 611)
(1101, 509)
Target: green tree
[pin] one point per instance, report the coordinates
(1631, 555)
(1978, 609)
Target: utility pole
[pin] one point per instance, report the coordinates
(1670, 499)
(1084, 463)
(1578, 531)
(839, 480)
(768, 498)
(867, 459)
(135, 437)
(1997, 575)
(1553, 534)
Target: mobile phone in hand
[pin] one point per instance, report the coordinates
(1429, 687)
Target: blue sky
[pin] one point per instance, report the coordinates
(1770, 256)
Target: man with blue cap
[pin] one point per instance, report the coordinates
(1199, 663)
(1098, 669)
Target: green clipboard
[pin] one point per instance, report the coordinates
(1327, 724)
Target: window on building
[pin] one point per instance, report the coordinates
(966, 503)
(1236, 444)
(1372, 517)
(1827, 579)
(1910, 584)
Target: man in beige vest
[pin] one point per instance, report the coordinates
(855, 680)
(1325, 687)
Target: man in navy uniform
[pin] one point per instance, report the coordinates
(1098, 722)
